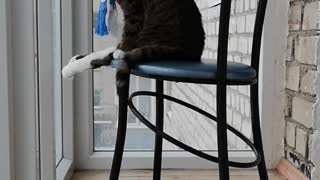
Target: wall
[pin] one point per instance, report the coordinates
(6, 132)
(24, 90)
(18, 117)
(302, 86)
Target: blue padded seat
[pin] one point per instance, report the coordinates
(194, 72)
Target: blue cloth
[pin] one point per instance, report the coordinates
(101, 25)
(196, 72)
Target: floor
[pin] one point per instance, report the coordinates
(174, 175)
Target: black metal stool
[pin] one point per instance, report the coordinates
(221, 73)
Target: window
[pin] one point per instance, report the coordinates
(181, 123)
(54, 49)
(105, 112)
(57, 82)
(144, 103)
(97, 97)
(105, 103)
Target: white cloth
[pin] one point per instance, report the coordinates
(76, 66)
(115, 21)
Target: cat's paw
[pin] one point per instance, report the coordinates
(118, 54)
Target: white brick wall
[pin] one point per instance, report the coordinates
(293, 77)
(289, 50)
(253, 4)
(306, 51)
(302, 111)
(301, 137)
(250, 19)
(311, 17)
(291, 134)
(308, 82)
(302, 59)
(295, 17)
(241, 24)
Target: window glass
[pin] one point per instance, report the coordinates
(56, 39)
(180, 122)
(106, 105)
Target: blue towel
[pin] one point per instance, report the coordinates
(101, 25)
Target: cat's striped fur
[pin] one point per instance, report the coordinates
(158, 30)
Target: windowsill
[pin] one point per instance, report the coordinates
(180, 174)
(133, 154)
(64, 170)
(172, 160)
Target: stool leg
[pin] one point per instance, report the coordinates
(123, 93)
(256, 129)
(158, 139)
(222, 133)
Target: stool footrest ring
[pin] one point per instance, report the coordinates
(184, 146)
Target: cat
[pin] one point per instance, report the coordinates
(155, 30)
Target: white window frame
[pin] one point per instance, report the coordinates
(48, 169)
(20, 154)
(6, 124)
(271, 100)
(18, 70)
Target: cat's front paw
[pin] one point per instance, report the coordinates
(118, 54)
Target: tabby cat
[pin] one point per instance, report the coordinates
(157, 30)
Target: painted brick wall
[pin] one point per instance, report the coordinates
(302, 62)
(193, 128)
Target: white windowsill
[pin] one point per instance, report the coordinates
(64, 169)
(171, 160)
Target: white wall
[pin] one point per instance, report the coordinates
(273, 74)
(6, 155)
(23, 89)
(316, 124)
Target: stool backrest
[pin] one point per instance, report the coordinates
(257, 34)
(224, 35)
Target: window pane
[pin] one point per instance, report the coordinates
(106, 108)
(56, 38)
(180, 122)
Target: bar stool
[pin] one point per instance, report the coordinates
(220, 73)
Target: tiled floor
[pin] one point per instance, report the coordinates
(174, 175)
